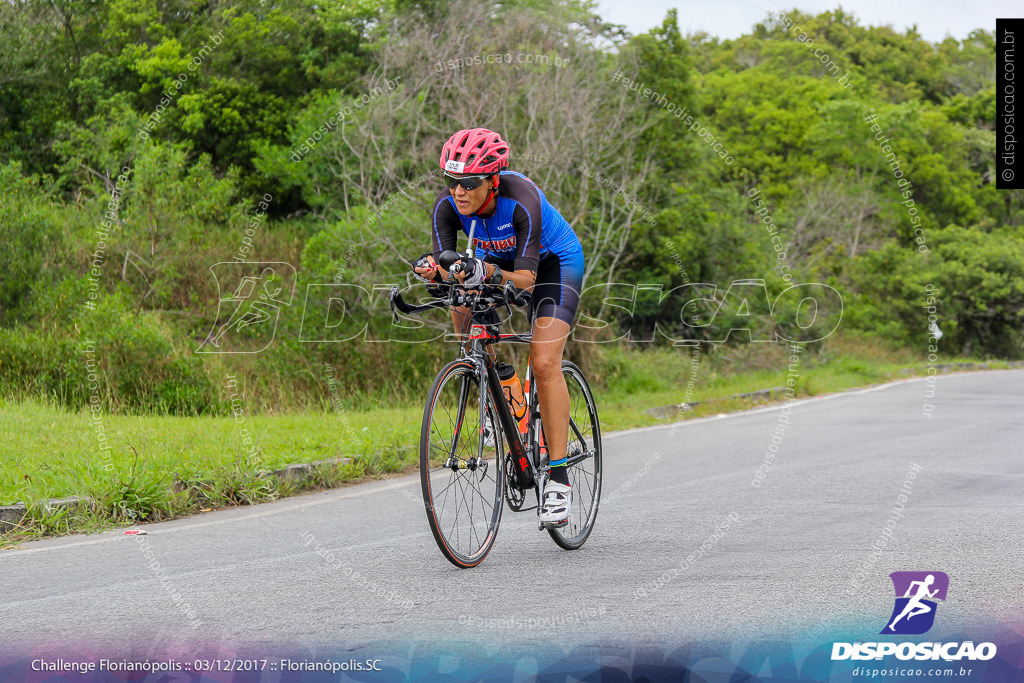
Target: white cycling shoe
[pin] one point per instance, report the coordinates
(557, 501)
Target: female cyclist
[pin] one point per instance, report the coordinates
(521, 238)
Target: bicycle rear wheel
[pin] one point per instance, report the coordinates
(584, 466)
(461, 477)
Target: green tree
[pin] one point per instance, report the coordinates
(977, 278)
(30, 235)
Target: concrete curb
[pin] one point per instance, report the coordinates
(952, 367)
(670, 412)
(11, 516)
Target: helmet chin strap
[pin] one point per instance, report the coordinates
(490, 197)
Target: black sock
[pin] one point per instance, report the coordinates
(560, 475)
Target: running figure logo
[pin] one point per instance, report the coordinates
(251, 298)
(916, 592)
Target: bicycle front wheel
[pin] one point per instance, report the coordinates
(460, 475)
(584, 466)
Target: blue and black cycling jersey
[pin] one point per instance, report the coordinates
(524, 233)
(523, 229)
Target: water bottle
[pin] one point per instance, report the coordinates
(513, 393)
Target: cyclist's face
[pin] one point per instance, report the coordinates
(469, 201)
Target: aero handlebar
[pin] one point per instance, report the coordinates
(457, 294)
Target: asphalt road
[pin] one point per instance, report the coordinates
(686, 547)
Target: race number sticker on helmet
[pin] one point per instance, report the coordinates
(454, 166)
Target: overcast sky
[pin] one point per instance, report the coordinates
(732, 18)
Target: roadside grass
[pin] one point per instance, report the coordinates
(163, 467)
(49, 453)
(712, 377)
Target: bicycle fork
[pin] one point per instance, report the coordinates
(454, 462)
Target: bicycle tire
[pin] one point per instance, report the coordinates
(463, 503)
(584, 474)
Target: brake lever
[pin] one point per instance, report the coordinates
(512, 296)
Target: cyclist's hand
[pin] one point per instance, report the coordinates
(472, 273)
(425, 267)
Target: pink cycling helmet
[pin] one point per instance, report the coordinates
(474, 150)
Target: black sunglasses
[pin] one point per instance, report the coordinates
(469, 182)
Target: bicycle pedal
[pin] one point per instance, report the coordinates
(554, 525)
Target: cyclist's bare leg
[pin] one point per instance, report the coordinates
(460, 320)
(549, 335)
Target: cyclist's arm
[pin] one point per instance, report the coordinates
(522, 279)
(526, 221)
(445, 225)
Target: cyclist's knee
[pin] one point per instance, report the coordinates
(546, 366)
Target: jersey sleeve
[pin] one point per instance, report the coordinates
(527, 219)
(445, 224)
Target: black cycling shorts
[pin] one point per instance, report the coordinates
(556, 293)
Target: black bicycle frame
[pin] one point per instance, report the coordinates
(509, 424)
(510, 427)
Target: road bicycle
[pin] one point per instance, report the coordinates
(469, 473)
